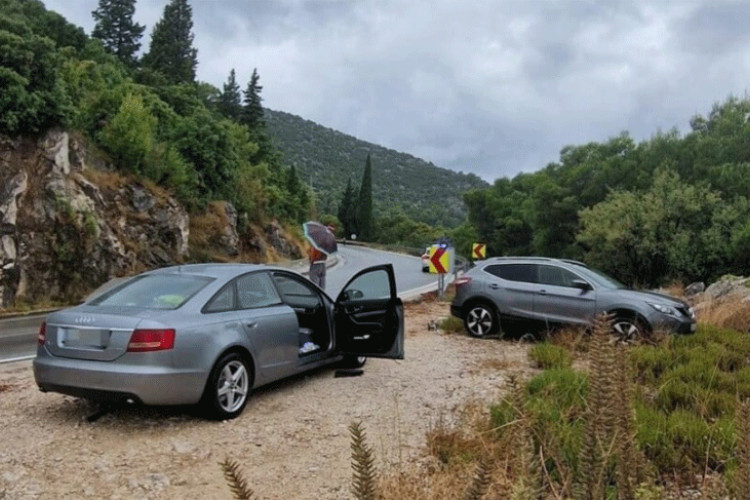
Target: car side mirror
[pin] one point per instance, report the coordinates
(580, 284)
(353, 294)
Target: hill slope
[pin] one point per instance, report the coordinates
(328, 158)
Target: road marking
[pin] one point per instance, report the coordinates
(19, 358)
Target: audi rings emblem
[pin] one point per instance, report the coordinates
(84, 320)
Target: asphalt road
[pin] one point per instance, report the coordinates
(18, 335)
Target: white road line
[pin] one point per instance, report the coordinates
(19, 358)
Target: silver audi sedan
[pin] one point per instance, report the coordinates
(208, 334)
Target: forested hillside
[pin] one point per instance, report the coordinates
(673, 207)
(328, 159)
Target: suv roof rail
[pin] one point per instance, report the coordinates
(576, 262)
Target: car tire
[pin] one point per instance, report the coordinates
(228, 387)
(481, 320)
(351, 361)
(629, 328)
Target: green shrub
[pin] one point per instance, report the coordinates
(548, 355)
(451, 324)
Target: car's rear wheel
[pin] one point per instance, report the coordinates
(481, 320)
(629, 328)
(228, 387)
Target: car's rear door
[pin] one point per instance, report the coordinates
(513, 288)
(370, 316)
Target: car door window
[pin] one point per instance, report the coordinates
(514, 272)
(256, 290)
(557, 276)
(295, 292)
(222, 301)
(371, 286)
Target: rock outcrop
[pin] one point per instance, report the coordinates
(62, 233)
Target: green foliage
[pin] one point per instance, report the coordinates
(452, 324)
(422, 191)
(364, 204)
(252, 110)
(129, 137)
(547, 355)
(171, 52)
(116, 30)
(230, 104)
(347, 211)
(33, 97)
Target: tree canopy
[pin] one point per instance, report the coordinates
(116, 29)
(171, 52)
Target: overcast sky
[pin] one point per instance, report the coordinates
(489, 87)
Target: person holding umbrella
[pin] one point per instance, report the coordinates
(323, 243)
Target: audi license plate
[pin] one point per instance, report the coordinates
(77, 337)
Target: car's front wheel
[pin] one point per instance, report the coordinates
(228, 387)
(481, 320)
(629, 329)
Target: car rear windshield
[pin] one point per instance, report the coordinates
(154, 291)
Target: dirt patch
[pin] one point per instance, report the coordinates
(292, 441)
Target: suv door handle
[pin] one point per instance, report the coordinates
(542, 292)
(494, 286)
(251, 324)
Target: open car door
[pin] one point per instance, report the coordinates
(370, 316)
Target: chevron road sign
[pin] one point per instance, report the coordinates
(479, 250)
(440, 259)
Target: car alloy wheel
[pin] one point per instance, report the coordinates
(232, 386)
(480, 321)
(627, 329)
(228, 387)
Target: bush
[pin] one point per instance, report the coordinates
(452, 324)
(548, 355)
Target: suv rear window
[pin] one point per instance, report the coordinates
(514, 272)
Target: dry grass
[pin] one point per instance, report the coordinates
(675, 289)
(731, 314)
(5, 387)
(461, 460)
(107, 180)
(206, 227)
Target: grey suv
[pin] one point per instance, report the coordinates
(553, 292)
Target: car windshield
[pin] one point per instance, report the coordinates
(154, 291)
(602, 279)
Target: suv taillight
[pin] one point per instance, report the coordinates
(151, 340)
(463, 280)
(42, 333)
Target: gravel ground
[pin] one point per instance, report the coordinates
(292, 440)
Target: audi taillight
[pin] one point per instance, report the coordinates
(42, 333)
(463, 280)
(151, 340)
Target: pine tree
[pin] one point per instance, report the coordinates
(252, 111)
(230, 101)
(347, 210)
(116, 29)
(364, 204)
(171, 52)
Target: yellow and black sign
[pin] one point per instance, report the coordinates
(479, 250)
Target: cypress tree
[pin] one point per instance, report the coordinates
(171, 52)
(230, 101)
(364, 203)
(116, 29)
(252, 111)
(347, 210)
